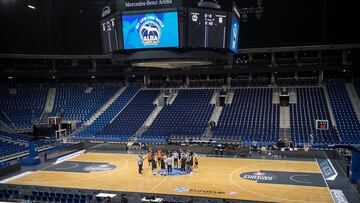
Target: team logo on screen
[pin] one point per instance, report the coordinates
(150, 30)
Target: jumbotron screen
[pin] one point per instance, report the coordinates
(207, 28)
(111, 33)
(151, 30)
(234, 34)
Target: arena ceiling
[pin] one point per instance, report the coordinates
(71, 26)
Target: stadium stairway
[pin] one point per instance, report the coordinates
(250, 116)
(347, 123)
(311, 106)
(354, 98)
(285, 130)
(229, 97)
(172, 98)
(215, 116)
(75, 103)
(328, 104)
(186, 116)
(159, 102)
(93, 118)
(49, 104)
(105, 106)
(109, 111)
(132, 117)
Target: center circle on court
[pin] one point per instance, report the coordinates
(175, 172)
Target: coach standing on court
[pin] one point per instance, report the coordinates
(140, 162)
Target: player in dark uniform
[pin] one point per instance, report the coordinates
(196, 161)
(191, 161)
(154, 166)
(183, 164)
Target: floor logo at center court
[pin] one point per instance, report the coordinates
(175, 172)
(258, 176)
(99, 167)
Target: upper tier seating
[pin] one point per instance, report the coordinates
(310, 106)
(132, 116)
(187, 116)
(20, 109)
(73, 103)
(251, 116)
(105, 118)
(346, 121)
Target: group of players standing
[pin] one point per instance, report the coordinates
(186, 161)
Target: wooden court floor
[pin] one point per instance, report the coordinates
(216, 177)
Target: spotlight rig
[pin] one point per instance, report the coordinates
(258, 10)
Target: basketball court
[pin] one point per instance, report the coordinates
(239, 179)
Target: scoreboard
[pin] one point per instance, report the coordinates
(234, 34)
(186, 24)
(110, 33)
(207, 28)
(322, 125)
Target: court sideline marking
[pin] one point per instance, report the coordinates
(327, 185)
(299, 181)
(67, 168)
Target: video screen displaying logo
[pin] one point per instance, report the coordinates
(234, 35)
(207, 28)
(152, 30)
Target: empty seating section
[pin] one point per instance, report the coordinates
(15, 144)
(8, 148)
(47, 196)
(251, 116)
(105, 118)
(310, 106)
(132, 116)
(74, 103)
(22, 106)
(187, 116)
(346, 121)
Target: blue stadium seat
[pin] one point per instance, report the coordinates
(347, 123)
(187, 116)
(251, 116)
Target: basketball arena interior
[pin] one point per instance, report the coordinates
(179, 101)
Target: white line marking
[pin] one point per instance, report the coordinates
(70, 156)
(336, 173)
(152, 189)
(299, 181)
(75, 165)
(327, 185)
(16, 177)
